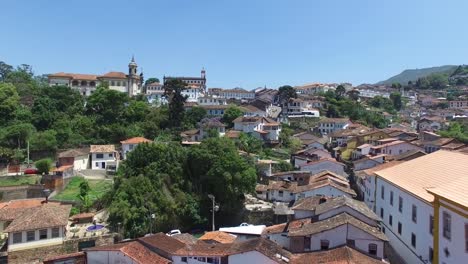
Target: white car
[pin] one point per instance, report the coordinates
(174, 232)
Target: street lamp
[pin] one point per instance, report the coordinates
(214, 209)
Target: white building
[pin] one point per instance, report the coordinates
(86, 83)
(131, 143)
(419, 224)
(196, 86)
(35, 226)
(103, 157)
(396, 147)
(329, 125)
(260, 127)
(236, 93)
(325, 165)
(297, 107)
(79, 158)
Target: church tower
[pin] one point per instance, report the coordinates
(133, 82)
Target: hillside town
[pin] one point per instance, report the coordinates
(316, 173)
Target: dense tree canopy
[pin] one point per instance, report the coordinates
(285, 93)
(173, 182)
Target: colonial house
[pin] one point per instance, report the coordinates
(367, 162)
(260, 127)
(78, 158)
(211, 100)
(215, 110)
(325, 165)
(314, 88)
(196, 86)
(103, 157)
(298, 107)
(38, 226)
(343, 254)
(458, 104)
(218, 237)
(310, 140)
(236, 93)
(431, 123)
(253, 111)
(417, 201)
(394, 148)
(323, 184)
(86, 83)
(205, 127)
(304, 156)
(329, 125)
(336, 231)
(131, 143)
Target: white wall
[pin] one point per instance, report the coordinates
(346, 209)
(281, 239)
(325, 165)
(300, 214)
(250, 257)
(59, 81)
(81, 163)
(366, 164)
(37, 242)
(108, 257)
(127, 148)
(106, 159)
(402, 243)
(456, 244)
(325, 190)
(275, 195)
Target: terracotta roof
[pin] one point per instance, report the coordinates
(74, 153)
(218, 236)
(336, 221)
(334, 120)
(102, 148)
(409, 155)
(190, 132)
(455, 191)
(154, 84)
(117, 75)
(430, 171)
(308, 203)
(135, 140)
(75, 76)
(62, 168)
(186, 238)
(136, 251)
(323, 160)
(161, 241)
(341, 255)
(371, 171)
(340, 201)
(232, 134)
(66, 256)
(12, 209)
(286, 227)
(47, 215)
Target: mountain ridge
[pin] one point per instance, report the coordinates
(414, 74)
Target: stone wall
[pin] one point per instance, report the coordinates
(9, 193)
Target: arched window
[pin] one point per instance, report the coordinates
(92, 84)
(373, 249)
(112, 83)
(84, 83)
(75, 83)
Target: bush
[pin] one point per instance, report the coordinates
(43, 166)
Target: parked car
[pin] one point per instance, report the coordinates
(31, 171)
(174, 232)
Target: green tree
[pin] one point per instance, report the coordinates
(5, 69)
(84, 196)
(340, 91)
(249, 143)
(173, 90)
(193, 116)
(43, 166)
(9, 102)
(354, 94)
(151, 80)
(231, 113)
(438, 81)
(285, 93)
(396, 100)
(107, 105)
(44, 141)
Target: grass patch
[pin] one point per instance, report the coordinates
(18, 180)
(98, 189)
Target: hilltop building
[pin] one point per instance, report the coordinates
(86, 84)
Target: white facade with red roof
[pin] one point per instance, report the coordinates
(131, 143)
(86, 83)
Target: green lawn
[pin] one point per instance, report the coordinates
(18, 180)
(98, 188)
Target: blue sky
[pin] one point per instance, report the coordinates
(246, 43)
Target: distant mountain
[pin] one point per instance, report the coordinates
(414, 74)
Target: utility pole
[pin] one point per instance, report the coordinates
(28, 153)
(214, 209)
